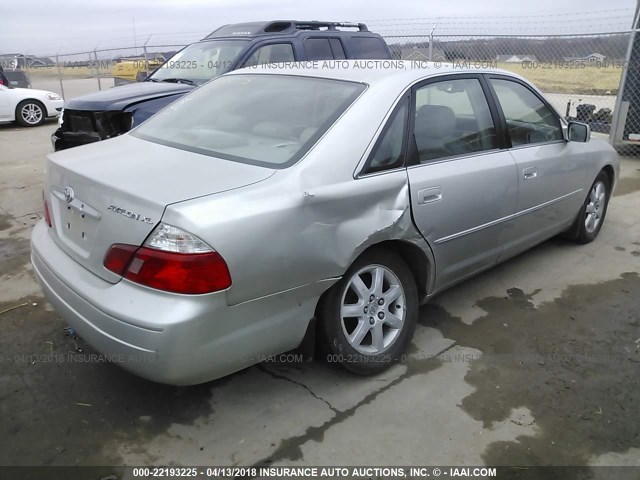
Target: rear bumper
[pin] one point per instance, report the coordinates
(168, 338)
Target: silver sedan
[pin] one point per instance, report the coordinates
(208, 238)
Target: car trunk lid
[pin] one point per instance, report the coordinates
(116, 192)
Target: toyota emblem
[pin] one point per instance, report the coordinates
(68, 194)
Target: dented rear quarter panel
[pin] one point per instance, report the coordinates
(308, 222)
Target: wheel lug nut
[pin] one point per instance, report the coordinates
(365, 309)
(372, 320)
(372, 298)
(381, 301)
(380, 315)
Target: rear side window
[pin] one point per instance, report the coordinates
(318, 49)
(529, 120)
(267, 120)
(368, 47)
(388, 152)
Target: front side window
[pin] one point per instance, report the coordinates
(275, 53)
(200, 62)
(452, 117)
(529, 119)
(260, 119)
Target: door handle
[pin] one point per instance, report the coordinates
(429, 195)
(529, 173)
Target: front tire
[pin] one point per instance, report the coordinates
(594, 209)
(368, 318)
(30, 113)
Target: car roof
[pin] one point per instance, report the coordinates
(283, 27)
(371, 71)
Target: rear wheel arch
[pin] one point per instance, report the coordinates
(417, 260)
(420, 263)
(391, 319)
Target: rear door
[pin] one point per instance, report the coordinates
(463, 184)
(550, 169)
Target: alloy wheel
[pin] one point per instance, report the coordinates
(31, 113)
(372, 310)
(595, 207)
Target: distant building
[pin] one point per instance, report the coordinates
(421, 54)
(593, 58)
(22, 62)
(516, 58)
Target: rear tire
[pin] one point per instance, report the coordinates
(594, 209)
(367, 319)
(30, 113)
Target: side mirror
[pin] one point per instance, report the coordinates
(578, 132)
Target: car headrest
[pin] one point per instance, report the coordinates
(435, 121)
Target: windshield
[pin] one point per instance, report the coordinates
(268, 120)
(200, 62)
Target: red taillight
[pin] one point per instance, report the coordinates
(47, 215)
(118, 257)
(188, 273)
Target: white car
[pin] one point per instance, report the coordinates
(27, 106)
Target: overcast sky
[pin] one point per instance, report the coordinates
(45, 27)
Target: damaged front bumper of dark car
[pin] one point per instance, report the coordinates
(79, 127)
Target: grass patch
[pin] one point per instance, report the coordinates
(590, 80)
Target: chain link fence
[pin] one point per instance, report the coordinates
(580, 74)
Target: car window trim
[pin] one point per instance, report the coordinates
(519, 81)
(404, 98)
(454, 158)
(498, 124)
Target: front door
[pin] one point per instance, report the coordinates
(549, 168)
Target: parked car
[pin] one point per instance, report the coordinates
(207, 238)
(18, 78)
(110, 113)
(133, 70)
(27, 106)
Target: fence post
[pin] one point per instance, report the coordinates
(59, 76)
(431, 42)
(97, 65)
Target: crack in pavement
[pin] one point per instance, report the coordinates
(290, 448)
(263, 369)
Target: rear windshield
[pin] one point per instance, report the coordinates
(268, 120)
(13, 75)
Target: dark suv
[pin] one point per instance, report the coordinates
(110, 113)
(17, 78)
